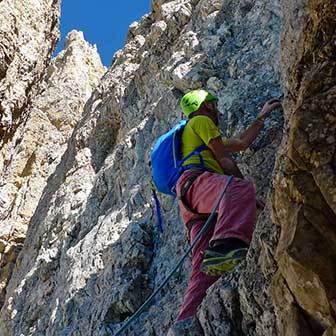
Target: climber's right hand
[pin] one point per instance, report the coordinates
(269, 106)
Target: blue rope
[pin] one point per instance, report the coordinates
(158, 210)
(200, 234)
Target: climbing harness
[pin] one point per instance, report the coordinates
(200, 234)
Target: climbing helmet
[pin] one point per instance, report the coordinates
(192, 100)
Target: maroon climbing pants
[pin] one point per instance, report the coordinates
(235, 219)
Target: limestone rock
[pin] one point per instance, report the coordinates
(187, 327)
(39, 143)
(93, 253)
(305, 198)
(28, 35)
(92, 241)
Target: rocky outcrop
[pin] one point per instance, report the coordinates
(39, 143)
(92, 241)
(304, 203)
(93, 253)
(28, 34)
(287, 286)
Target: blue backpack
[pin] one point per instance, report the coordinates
(166, 159)
(166, 163)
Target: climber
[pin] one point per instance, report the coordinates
(226, 242)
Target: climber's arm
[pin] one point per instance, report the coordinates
(246, 138)
(222, 156)
(250, 134)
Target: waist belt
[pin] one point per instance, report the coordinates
(181, 197)
(185, 188)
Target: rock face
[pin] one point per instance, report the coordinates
(39, 143)
(304, 203)
(93, 253)
(28, 34)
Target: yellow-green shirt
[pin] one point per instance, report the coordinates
(199, 131)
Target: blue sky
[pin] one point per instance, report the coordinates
(103, 22)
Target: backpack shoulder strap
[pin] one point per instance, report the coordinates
(196, 151)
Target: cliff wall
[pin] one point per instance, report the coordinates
(28, 35)
(93, 252)
(49, 107)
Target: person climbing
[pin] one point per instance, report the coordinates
(224, 245)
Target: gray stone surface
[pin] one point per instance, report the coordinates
(304, 198)
(28, 35)
(93, 253)
(94, 230)
(38, 144)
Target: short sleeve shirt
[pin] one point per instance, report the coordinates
(200, 130)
